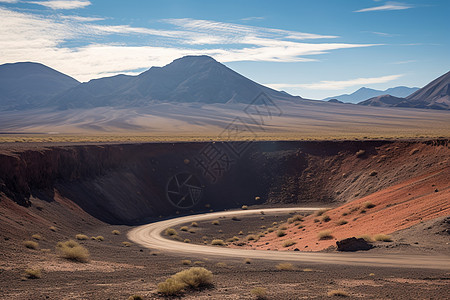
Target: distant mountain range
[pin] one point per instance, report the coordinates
(366, 93)
(435, 95)
(25, 85)
(190, 79)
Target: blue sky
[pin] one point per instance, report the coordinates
(309, 48)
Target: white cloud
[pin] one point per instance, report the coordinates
(32, 37)
(336, 85)
(9, 1)
(63, 4)
(404, 62)
(252, 19)
(387, 6)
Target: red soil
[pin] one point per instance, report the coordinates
(398, 207)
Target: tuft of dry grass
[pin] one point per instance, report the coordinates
(127, 244)
(221, 265)
(99, 238)
(285, 267)
(73, 251)
(281, 233)
(37, 237)
(244, 207)
(194, 277)
(259, 292)
(360, 153)
(321, 212)
(217, 242)
(341, 222)
(252, 237)
(135, 297)
(288, 243)
(187, 241)
(326, 218)
(215, 222)
(241, 233)
(52, 228)
(368, 205)
(325, 235)
(31, 245)
(171, 287)
(247, 261)
(81, 237)
(184, 228)
(186, 262)
(366, 237)
(33, 273)
(382, 237)
(115, 232)
(270, 229)
(296, 218)
(194, 224)
(338, 293)
(170, 232)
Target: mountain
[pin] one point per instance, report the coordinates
(187, 79)
(435, 95)
(26, 85)
(384, 100)
(366, 93)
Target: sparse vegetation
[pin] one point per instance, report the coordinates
(252, 237)
(244, 207)
(284, 227)
(31, 245)
(341, 222)
(186, 262)
(194, 277)
(270, 229)
(215, 222)
(170, 232)
(135, 297)
(192, 230)
(99, 238)
(33, 273)
(247, 261)
(221, 265)
(259, 292)
(288, 243)
(382, 238)
(338, 293)
(37, 237)
(184, 228)
(194, 224)
(281, 233)
(326, 218)
(325, 235)
(127, 244)
(360, 153)
(81, 237)
(368, 205)
(321, 212)
(187, 241)
(285, 267)
(366, 237)
(115, 232)
(73, 251)
(241, 233)
(52, 228)
(296, 218)
(217, 242)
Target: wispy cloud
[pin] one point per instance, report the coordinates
(404, 62)
(9, 1)
(337, 85)
(387, 6)
(50, 39)
(384, 34)
(252, 19)
(63, 4)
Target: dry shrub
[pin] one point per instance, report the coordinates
(194, 224)
(194, 277)
(281, 233)
(135, 297)
(259, 292)
(126, 244)
(186, 262)
(217, 242)
(192, 230)
(99, 238)
(326, 218)
(244, 207)
(368, 205)
(81, 237)
(285, 267)
(187, 241)
(341, 222)
(382, 237)
(241, 233)
(366, 237)
(221, 265)
(270, 229)
(184, 228)
(171, 231)
(288, 243)
(215, 222)
(321, 211)
(338, 293)
(115, 232)
(296, 218)
(52, 228)
(33, 273)
(31, 245)
(324, 235)
(284, 227)
(37, 237)
(73, 251)
(360, 153)
(247, 261)
(252, 237)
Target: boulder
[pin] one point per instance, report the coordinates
(353, 244)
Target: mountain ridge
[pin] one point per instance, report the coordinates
(365, 93)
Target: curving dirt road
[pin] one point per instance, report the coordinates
(150, 236)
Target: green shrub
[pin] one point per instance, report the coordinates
(31, 245)
(73, 251)
(115, 232)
